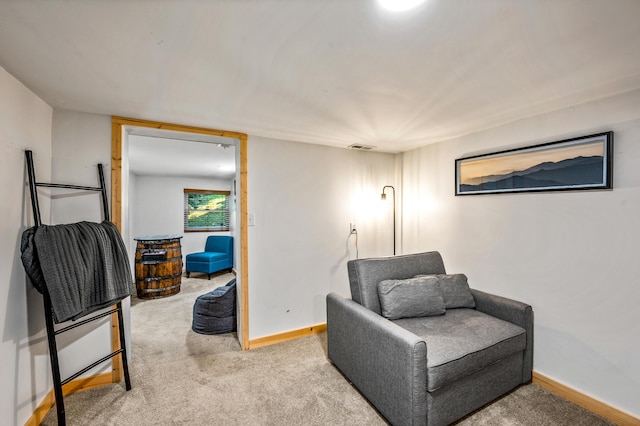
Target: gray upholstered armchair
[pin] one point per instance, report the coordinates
(423, 347)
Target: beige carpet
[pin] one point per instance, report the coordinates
(183, 378)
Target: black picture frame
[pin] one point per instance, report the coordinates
(581, 163)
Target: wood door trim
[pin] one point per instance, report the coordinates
(117, 127)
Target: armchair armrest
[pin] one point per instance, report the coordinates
(384, 361)
(515, 312)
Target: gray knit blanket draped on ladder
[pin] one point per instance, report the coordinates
(83, 266)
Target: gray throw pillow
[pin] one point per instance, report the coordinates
(413, 297)
(455, 290)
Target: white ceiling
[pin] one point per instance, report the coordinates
(335, 72)
(165, 153)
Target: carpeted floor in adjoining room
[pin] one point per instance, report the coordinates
(180, 377)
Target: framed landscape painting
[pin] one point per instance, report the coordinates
(567, 165)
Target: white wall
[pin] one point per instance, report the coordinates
(158, 206)
(80, 142)
(129, 216)
(303, 197)
(572, 255)
(25, 375)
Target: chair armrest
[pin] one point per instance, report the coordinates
(387, 363)
(515, 312)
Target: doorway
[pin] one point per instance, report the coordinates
(119, 158)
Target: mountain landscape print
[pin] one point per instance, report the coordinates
(572, 164)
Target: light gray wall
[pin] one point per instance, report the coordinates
(304, 197)
(78, 146)
(572, 255)
(25, 123)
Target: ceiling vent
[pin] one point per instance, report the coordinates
(361, 147)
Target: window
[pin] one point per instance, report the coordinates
(206, 211)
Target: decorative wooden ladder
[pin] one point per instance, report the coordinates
(51, 331)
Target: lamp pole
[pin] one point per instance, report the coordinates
(383, 196)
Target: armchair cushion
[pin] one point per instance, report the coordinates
(206, 256)
(455, 290)
(413, 297)
(365, 274)
(462, 342)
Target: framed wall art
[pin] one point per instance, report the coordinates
(572, 164)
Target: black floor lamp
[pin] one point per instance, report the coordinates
(383, 196)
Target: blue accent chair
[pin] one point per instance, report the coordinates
(217, 256)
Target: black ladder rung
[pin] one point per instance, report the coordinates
(89, 367)
(88, 320)
(65, 186)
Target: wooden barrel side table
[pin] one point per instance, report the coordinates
(158, 266)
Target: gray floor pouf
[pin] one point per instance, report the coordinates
(215, 312)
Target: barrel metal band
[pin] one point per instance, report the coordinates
(157, 290)
(153, 262)
(166, 277)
